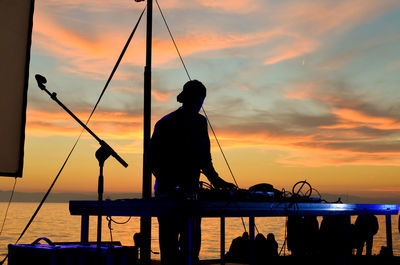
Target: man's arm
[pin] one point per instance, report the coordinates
(208, 168)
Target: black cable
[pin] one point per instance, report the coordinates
(118, 223)
(220, 148)
(77, 140)
(319, 194)
(110, 221)
(108, 218)
(284, 242)
(8, 206)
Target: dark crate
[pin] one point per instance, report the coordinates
(71, 254)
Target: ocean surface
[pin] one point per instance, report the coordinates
(55, 223)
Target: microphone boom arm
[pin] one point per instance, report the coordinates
(41, 81)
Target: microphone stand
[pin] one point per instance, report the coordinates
(101, 154)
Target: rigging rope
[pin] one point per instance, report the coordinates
(77, 140)
(8, 206)
(173, 40)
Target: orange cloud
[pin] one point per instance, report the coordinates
(307, 150)
(325, 146)
(116, 125)
(352, 118)
(302, 90)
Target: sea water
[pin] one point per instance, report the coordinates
(55, 223)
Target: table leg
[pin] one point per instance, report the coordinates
(252, 237)
(389, 242)
(190, 226)
(222, 240)
(84, 229)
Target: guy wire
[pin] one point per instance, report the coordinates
(173, 40)
(8, 206)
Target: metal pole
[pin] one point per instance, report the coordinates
(100, 200)
(145, 222)
(222, 251)
(252, 238)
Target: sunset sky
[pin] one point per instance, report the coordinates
(296, 90)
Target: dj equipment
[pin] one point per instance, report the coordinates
(262, 192)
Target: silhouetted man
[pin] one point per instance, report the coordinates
(179, 151)
(366, 227)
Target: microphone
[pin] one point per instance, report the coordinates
(41, 80)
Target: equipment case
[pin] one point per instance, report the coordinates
(70, 254)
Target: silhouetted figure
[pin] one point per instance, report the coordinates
(179, 150)
(265, 249)
(335, 238)
(366, 226)
(296, 235)
(271, 246)
(260, 249)
(311, 235)
(239, 251)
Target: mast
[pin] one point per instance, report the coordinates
(145, 222)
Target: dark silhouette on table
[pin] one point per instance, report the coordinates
(179, 151)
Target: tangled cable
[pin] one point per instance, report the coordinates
(110, 221)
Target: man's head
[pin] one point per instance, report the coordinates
(192, 96)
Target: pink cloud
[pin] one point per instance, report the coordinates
(298, 47)
(94, 56)
(320, 17)
(233, 6)
(91, 55)
(157, 95)
(312, 19)
(161, 96)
